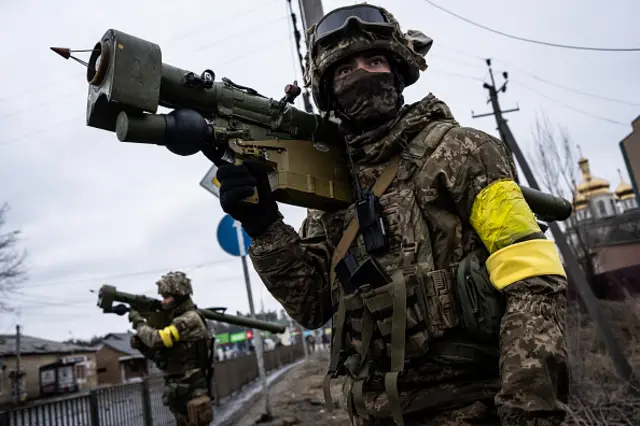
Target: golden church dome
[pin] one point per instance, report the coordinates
(591, 185)
(580, 202)
(624, 190)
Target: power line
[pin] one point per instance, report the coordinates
(245, 53)
(570, 89)
(609, 120)
(590, 114)
(181, 52)
(125, 275)
(528, 40)
(533, 76)
(453, 74)
(209, 25)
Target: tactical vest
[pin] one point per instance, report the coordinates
(188, 355)
(382, 328)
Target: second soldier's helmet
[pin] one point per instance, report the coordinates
(354, 29)
(175, 284)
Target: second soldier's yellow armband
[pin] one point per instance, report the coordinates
(169, 335)
(501, 216)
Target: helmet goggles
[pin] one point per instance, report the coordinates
(368, 17)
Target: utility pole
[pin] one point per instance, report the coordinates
(503, 129)
(311, 11)
(574, 273)
(257, 336)
(18, 380)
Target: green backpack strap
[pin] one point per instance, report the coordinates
(398, 329)
(349, 235)
(336, 347)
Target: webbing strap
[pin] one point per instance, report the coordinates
(368, 325)
(349, 235)
(336, 346)
(398, 329)
(358, 399)
(350, 409)
(381, 185)
(398, 321)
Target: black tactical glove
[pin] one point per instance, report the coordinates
(236, 184)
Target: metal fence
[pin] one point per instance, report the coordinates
(140, 403)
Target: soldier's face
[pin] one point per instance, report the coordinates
(167, 300)
(371, 62)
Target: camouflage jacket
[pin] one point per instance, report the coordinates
(427, 209)
(184, 341)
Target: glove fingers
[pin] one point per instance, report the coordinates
(227, 171)
(229, 198)
(256, 167)
(237, 182)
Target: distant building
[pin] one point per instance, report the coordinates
(605, 230)
(47, 367)
(630, 147)
(118, 362)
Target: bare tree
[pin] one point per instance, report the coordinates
(556, 161)
(12, 269)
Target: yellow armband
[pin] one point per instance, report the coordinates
(169, 335)
(523, 260)
(500, 215)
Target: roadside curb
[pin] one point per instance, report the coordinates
(230, 417)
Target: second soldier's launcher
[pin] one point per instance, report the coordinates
(151, 310)
(228, 122)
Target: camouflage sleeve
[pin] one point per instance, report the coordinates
(478, 173)
(186, 327)
(295, 268)
(149, 336)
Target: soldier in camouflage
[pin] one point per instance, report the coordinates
(181, 350)
(460, 319)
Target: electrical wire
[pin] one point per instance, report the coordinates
(454, 74)
(292, 43)
(52, 84)
(528, 40)
(243, 31)
(571, 89)
(36, 131)
(298, 38)
(124, 275)
(590, 114)
(533, 76)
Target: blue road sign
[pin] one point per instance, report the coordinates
(228, 231)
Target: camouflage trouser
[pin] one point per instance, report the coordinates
(178, 393)
(477, 414)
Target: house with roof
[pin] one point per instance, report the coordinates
(117, 362)
(46, 368)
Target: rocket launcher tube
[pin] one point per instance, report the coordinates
(128, 82)
(150, 307)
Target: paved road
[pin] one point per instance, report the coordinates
(297, 398)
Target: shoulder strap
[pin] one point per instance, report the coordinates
(350, 233)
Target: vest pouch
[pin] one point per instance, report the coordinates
(380, 300)
(200, 411)
(174, 392)
(481, 305)
(435, 295)
(354, 310)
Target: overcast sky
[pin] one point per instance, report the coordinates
(94, 210)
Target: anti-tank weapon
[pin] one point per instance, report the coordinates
(228, 122)
(151, 310)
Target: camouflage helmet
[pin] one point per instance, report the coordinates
(406, 51)
(174, 284)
